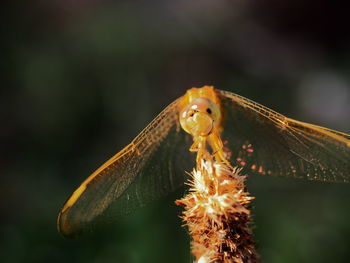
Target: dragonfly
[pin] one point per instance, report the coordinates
(260, 141)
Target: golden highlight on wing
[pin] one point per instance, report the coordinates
(266, 142)
(144, 170)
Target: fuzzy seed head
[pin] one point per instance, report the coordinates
(217, 214)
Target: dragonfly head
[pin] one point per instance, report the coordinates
(200, 117)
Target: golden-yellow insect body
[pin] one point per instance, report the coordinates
(205, 121)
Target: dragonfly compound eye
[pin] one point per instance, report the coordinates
(200, 117)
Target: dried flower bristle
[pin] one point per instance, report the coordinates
(217, 214)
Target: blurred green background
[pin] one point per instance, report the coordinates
(80, 79)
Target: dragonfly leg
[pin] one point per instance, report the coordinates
(217, 146)
(199, 146)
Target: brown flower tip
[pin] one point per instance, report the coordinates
(218, 216)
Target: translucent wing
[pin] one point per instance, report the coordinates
(266, 142)
(152, 165)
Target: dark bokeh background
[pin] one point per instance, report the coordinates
(81, 78)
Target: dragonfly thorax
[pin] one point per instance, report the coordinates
(200, 117)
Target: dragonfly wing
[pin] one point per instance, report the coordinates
(153, 165)
(263, 141)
